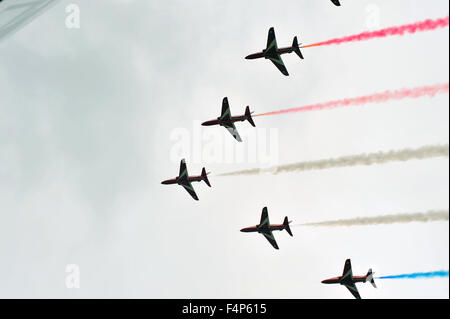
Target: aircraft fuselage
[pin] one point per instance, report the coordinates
(263, 54)
(255, 229)
(180, 181)
(218, 121)
(338, 280)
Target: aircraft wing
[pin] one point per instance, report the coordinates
(336, 2)
(264, 218)
(279, 64)
(347, 277)
(271, 239)
(271, 40)
(183, 169)
(352, 288)
(233, 131)
(226, 114)
(272, 52)
(188, 186)
(347, 274)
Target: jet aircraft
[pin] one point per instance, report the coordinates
(336, 2)
(227, 121)
(185, 180)
(265, 228)
(273, 53)
(348, 280)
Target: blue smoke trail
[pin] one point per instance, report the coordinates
(431, 274)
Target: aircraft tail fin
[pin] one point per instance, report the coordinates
(286, 223)
(248, 115)
(370, 279)
(296, 48)
(205, 177)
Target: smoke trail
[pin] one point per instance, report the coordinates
(415, 275)
(423, 152)
(416, 92)
(430, 216)
(421, 26)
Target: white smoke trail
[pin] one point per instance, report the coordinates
(423, 152)
(429, 216)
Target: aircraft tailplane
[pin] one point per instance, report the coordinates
(370, 278)
(248, 115)
(286, 225)
(205, 177)
(296, 48)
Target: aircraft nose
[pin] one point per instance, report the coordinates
(209, 123)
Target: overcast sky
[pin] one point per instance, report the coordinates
(94, 118)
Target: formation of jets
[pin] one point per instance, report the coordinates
(272, 53)
(348, 280)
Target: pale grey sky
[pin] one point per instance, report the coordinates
(85, 140)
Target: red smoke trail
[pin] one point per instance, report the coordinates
(430, 91)
(426, 25)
